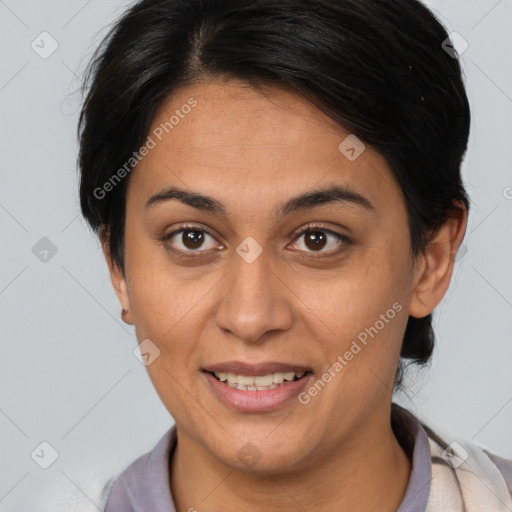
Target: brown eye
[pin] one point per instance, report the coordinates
(189, 240)
(192, 238)
(316, 238)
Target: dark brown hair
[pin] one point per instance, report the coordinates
(377, 67)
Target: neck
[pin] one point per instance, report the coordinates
(368, 471)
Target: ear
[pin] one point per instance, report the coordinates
(116, 276)
(434, 269)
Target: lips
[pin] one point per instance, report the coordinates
(256, 369)
(255, 399)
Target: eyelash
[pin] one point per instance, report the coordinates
(306, 229)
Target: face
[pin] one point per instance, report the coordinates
(324, 284)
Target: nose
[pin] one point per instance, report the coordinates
(254, 300)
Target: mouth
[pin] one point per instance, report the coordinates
(257, 386)
(257, 393)
(258, 382)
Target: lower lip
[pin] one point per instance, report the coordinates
(257, 401)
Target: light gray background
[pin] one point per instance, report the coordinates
(68, 375)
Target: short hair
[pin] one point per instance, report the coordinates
(377, 67)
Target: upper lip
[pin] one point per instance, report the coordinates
(240, 368)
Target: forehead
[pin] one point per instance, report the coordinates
(251, 145)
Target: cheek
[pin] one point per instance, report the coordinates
(359, 313)
(171, 304)
(157, 298)
(165, 308)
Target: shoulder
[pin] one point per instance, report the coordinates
(145, 480)
(504, 466)
(461, 469)
(120, 490)
(466, 458)
(479, 457)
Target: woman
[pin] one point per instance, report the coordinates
(276, 186)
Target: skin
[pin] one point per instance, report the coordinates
(251, 151)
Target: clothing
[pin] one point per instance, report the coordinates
(440, 480)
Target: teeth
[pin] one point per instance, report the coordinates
(260, 381)
(264, 380)
(232, 378)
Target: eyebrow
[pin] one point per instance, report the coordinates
(331, 194)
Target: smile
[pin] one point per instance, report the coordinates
(257, 393)
(259, 382)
